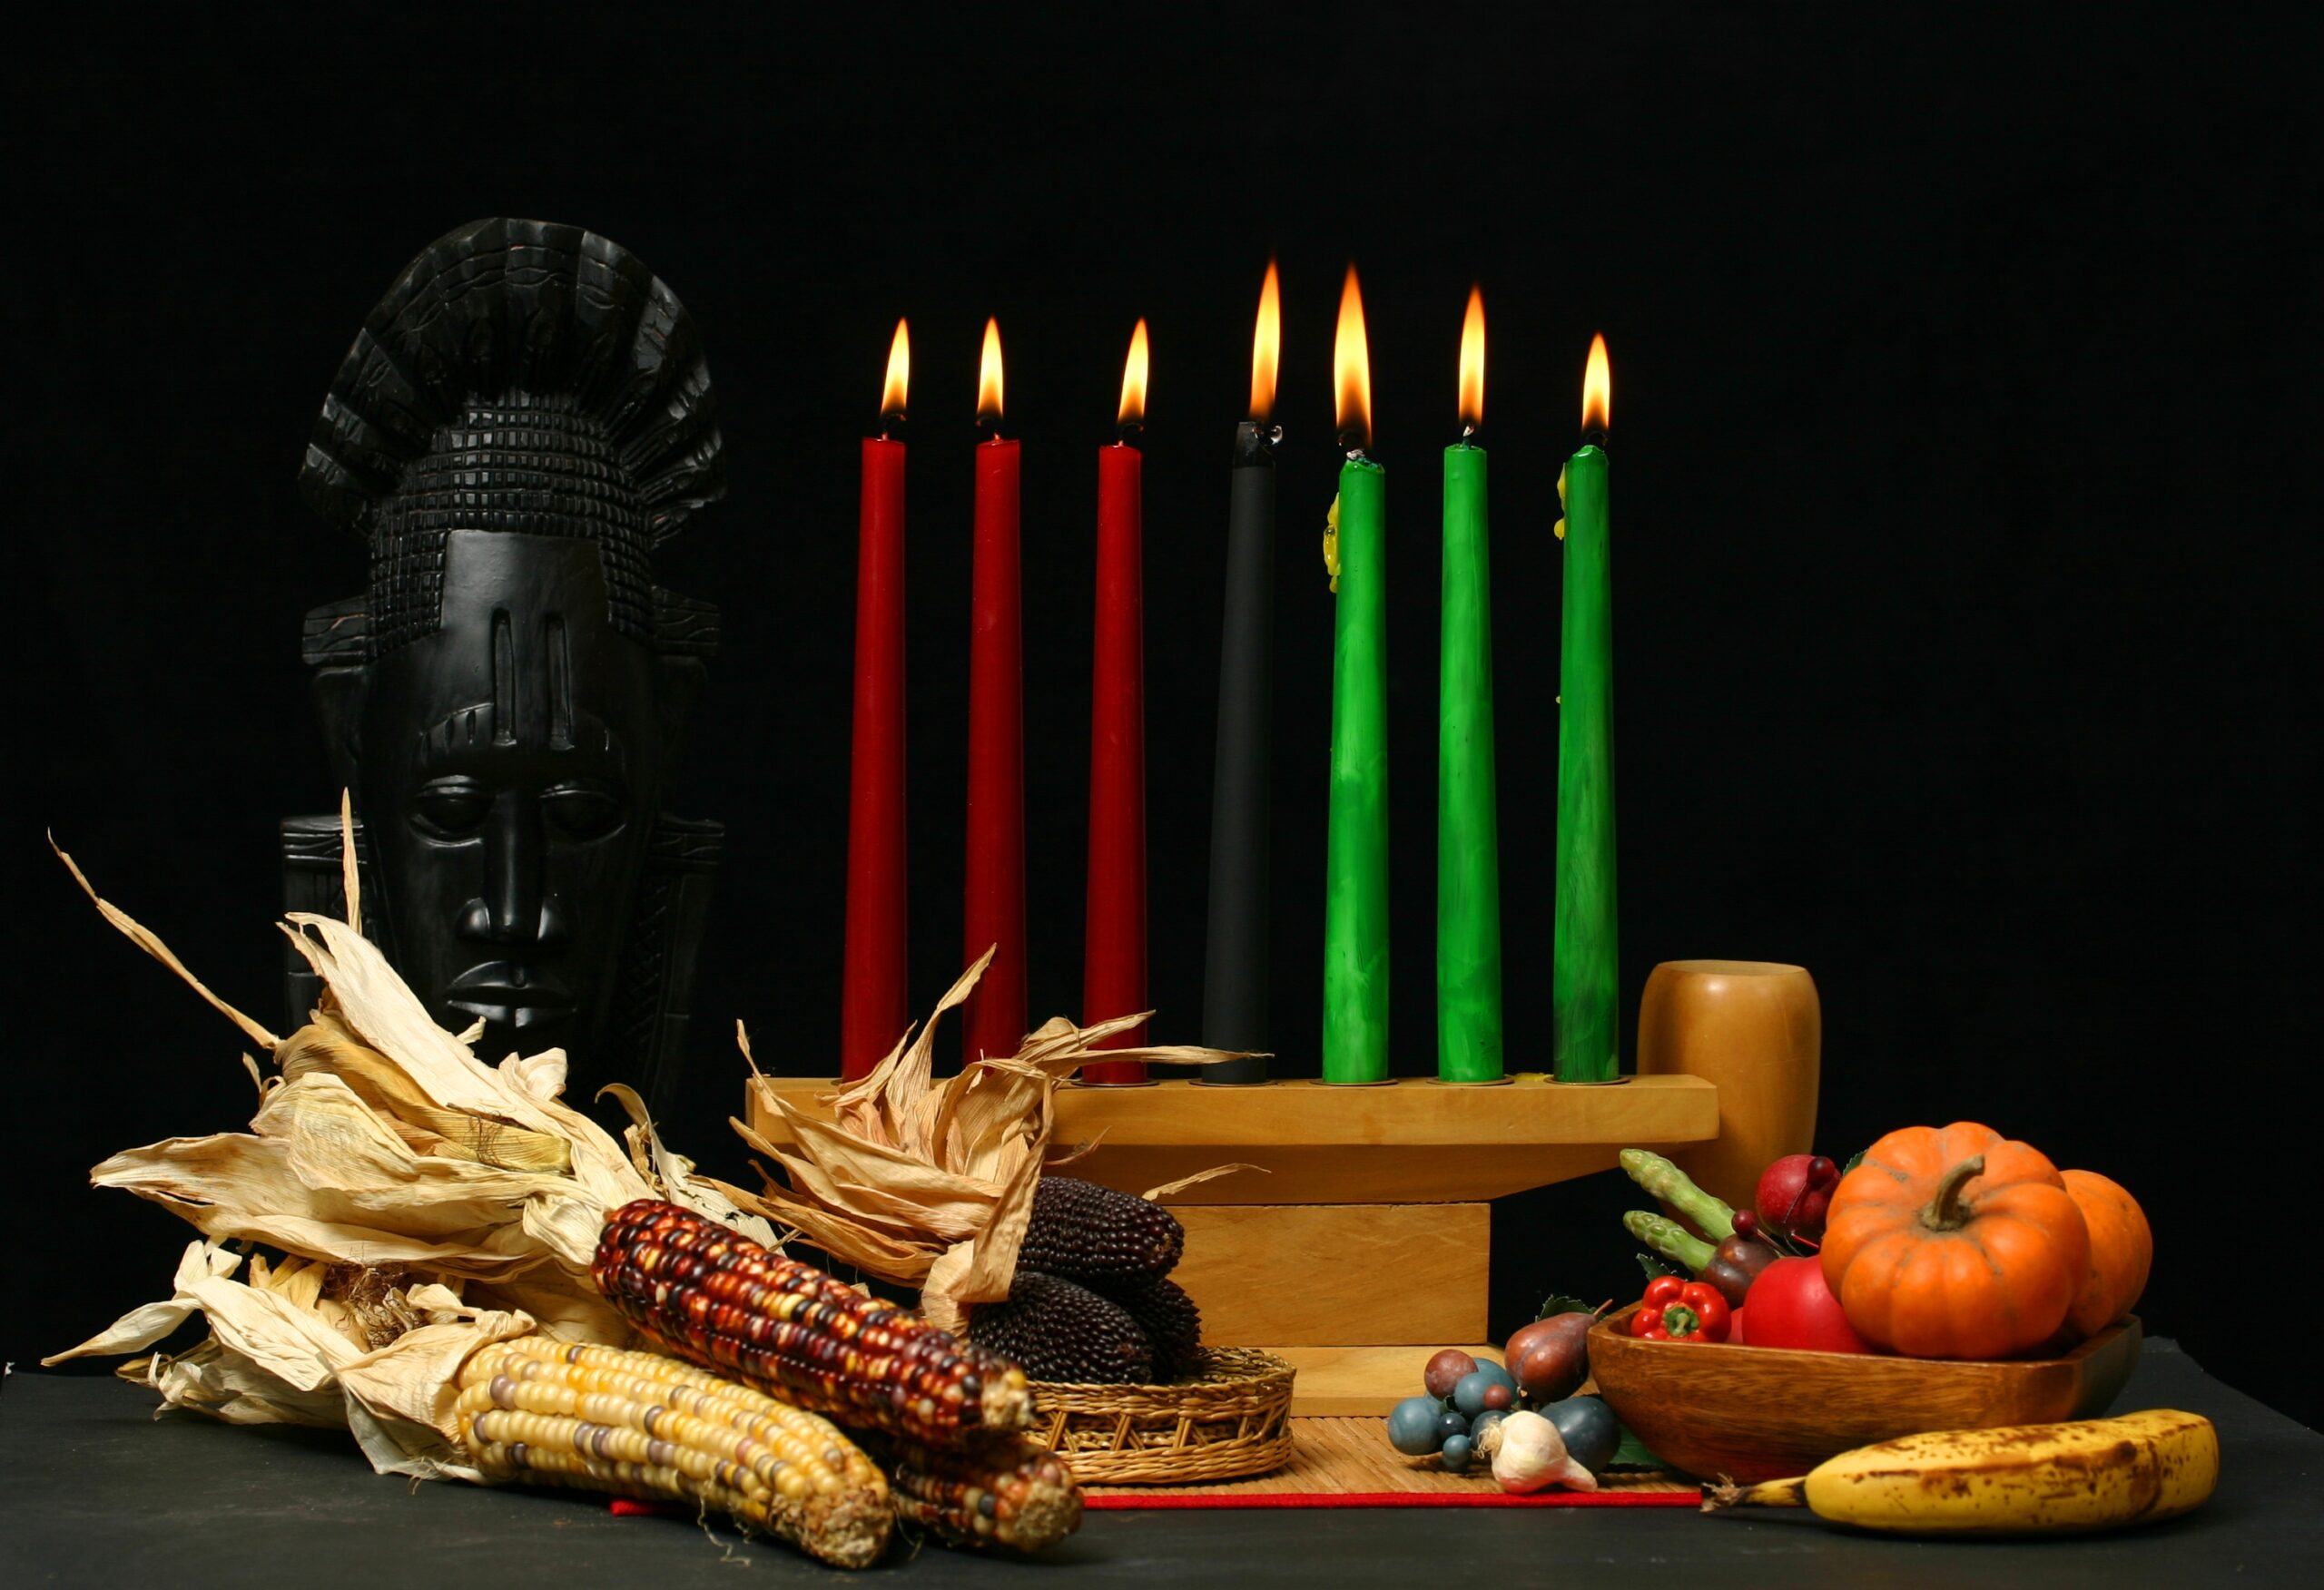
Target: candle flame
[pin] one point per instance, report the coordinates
(1267, 349)
(988, 377)
(1472, 363)
(1352, 368)
(891, 397)
(1598, 388)
(1133, 408)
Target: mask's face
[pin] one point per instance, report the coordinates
(507, 767)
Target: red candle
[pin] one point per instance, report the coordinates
(874, 1001)
(993, 1022)
(1113, 967)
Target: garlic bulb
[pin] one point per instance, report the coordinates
(1528, 1453)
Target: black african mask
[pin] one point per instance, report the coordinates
(521, 420)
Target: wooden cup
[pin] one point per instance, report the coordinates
(1755, 1028)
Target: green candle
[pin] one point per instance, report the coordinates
(1584, 979)
(1356, 901)
(1468, 846)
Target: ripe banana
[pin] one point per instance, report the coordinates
(2022, 1480)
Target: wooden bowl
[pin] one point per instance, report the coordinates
(1755, 1413)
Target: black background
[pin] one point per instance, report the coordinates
(1964, 370)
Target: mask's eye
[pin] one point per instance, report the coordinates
(451, 808)
(581, 812)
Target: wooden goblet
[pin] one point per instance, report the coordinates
(1755, 1028)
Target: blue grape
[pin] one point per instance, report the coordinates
(1412, 1426)
(1456, 1454)
(1473, 1394)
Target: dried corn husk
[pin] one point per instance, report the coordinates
(427, 1204)
(932, 1183)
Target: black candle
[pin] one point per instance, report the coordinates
(1235, 968)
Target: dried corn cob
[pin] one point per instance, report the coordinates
(1012, 1492)
(1172, 1322)
(1065, 1333)
(719, 1300)
(637, 1424)
(1095, 1234)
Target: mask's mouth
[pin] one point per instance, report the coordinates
(509, 995)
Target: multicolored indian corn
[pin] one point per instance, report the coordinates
(716, 1298)
(535, 1411)
(1012, 1492)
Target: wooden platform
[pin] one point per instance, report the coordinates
(1413, 1141)
(1351, 1457)
(1349, 1185)
(1341, 1382)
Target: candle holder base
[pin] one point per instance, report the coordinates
(1391, 1178)
(1467, 1081)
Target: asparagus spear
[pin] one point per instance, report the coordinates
(1668, 1237)
(1669, 1183)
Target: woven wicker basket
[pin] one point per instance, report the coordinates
(1229, 1419)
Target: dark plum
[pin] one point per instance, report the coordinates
(1736, 1263)
(1591, 1431)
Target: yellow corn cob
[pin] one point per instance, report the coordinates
(636, 1424)
(1013, 1492)
(718, 1300)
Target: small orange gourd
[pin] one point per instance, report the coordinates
(1955, 1242)
(2122, 1252)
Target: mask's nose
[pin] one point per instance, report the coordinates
(517, 907)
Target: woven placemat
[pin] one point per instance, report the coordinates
(1348, 1463)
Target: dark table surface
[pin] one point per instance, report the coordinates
(94, 1490)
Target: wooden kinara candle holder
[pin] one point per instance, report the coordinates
(1363, 1240)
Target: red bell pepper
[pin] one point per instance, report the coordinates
(1681, 1310)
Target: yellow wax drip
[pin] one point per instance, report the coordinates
(1332, 541)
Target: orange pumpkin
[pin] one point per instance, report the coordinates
(2121, 1251)
(1955, 1242)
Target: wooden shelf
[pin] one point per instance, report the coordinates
(1361, 1382)
(1408, 1141)
(1392, 1181)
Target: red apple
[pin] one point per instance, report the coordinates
(1794, 1193)
(1792, 1306)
